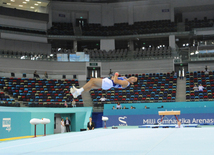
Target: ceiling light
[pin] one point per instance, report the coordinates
(39, 2)
(8, 3)
(20, 5)
(12, 0)
(24, 2)
(27, 0)
(36, 4)
(32, 7)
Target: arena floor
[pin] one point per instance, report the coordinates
(166, 141)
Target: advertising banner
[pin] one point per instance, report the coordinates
(134, 120)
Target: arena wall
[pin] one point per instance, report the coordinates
(200, 66)
(108, 14)
(80, 68)
(19, 124)
(23, 23)
(191, 113)
(25, 46)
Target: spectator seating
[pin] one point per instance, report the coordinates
(123, 54)
(153, 87)
(206, 55)
(95, 55)
(40, 91)
(9, 28)
(151, 52)
(51, 104)
(5, 100)
(61, 29)
(27, 55)
(199, 77)
(119, 54)
(145, 27)
(189, 25)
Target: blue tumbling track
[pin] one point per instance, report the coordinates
(160, 141)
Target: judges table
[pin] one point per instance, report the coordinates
(164, 113)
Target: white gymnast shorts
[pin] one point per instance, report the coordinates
(107, 84)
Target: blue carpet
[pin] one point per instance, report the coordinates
(169, 141)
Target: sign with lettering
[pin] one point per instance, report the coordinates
(124, 120)
(93, 64)
(165, 10)
(61, 15)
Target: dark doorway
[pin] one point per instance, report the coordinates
(178, 17)
(181, 69)
(81, 22)
(93, 72)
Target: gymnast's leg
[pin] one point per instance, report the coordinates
(93, 83)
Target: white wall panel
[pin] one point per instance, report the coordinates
(23, 37)
(151, 12)
(121, 14)
(15, 45)
(107, 15)
(200, 66)
(136, 67)
(107, 44)
(61, 16)
(79, 68)
(93, 11)
(199, 15)
(23, 23)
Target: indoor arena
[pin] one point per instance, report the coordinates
(131, 77)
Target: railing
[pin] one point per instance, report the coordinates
(53, 104)
(97, 104)
(27, 56)
(51, 57)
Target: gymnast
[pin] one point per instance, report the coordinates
(105, 84)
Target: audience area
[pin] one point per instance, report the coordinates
(92, 29)
(5, 100)
(7, 28)
(152, 52)
(27, 55)
(153, 87)
(145, 27)
(61, 29)
(119, 54)
(189, 25)
(124, 54)
(193, 81)
(41, 92)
